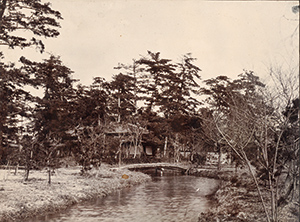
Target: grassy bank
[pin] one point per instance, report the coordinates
(21, 199)
(224, 174)
(237, 200)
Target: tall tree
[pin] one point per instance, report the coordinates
(91, 103)
(184, 87)
(170, 89)
(126, 89)
(13, 106)
(236, 106)
(123, 96)
(17, 16)
(248, 121)
(134, 73)
(157, 74)
(90, 117)
(52, 110)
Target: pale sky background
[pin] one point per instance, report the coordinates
(225, 37)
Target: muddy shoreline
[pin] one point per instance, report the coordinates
(236, 199)
(21, 200)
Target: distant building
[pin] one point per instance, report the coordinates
(129, 133)
(212, 158)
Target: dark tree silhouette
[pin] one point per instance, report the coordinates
(51, 117)
(33, 16)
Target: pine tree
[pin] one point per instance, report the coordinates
(14, 106)
(52, 118)
(38, 20)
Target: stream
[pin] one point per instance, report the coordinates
(166, 198)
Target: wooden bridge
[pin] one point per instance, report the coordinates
(160, 166)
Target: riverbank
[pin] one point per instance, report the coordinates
(236, 199)
(20, 200)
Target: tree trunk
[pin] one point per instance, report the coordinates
(273, 202)
(49, 176)
(176, 149)
(27, 173)
(165, 146)
(119, 109)
(1, 139)
(257, 186)
(16, 169)
(220, 156)
(19, 158)
(2, 10)
(120, 154)
(28, 165)
(136, 143)
(135, 87)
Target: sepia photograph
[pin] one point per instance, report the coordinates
(149, 111)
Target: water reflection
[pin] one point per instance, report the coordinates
(165, 198)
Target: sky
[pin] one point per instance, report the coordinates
(226, 37)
